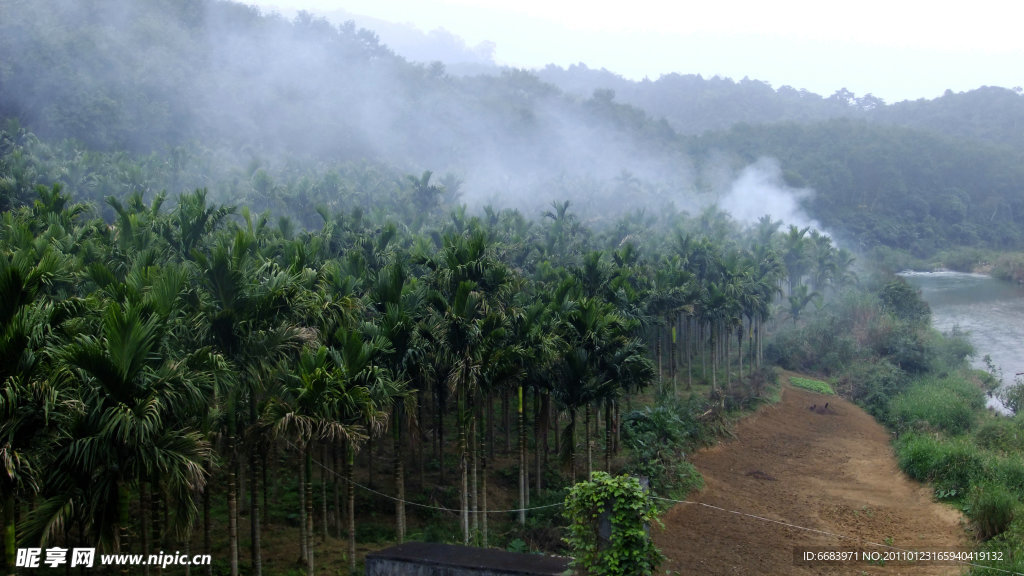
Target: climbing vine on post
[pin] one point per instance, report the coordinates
(627, 549)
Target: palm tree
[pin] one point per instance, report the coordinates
(366, 395)
(396, 303)
(794, 255)
(250, 309)
(799, 300)
(137, 395)
(33, 412)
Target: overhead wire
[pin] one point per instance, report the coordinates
(686, 502)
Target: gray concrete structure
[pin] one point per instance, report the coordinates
(426, 559)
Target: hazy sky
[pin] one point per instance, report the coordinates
(894, 49)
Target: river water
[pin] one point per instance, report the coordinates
(991, 311)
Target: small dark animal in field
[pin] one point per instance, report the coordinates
(822, 409)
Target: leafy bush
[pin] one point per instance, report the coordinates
(904, 301)
(658, 438)
(872, 384)
(812, 385)
(1012, 396)
(628, 549)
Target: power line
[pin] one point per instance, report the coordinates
(427, 506)
(689, 502)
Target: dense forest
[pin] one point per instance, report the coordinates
(250, 264)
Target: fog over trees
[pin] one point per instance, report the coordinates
(249, 263)
(251, 96)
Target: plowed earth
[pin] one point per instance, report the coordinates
(816, 478)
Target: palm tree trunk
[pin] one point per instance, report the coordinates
(325, 525)
(728, 375)
(233, 502)
(545, 410)
(369, 461)
(440, 440)
(608, 437)
(463, 465)
(399, 476)
(474, 479)
(304, 536)
(538, 424)
(206, 518)
(483, 502)
(9, 534)
(256, 552)
(144, 505)
(308, 489)
(522, 460)
(506, 420)
(586, 435)
(618, 427)
(334, 488)
(570, 438)
(351, 507)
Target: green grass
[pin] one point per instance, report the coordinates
(812, 385)
(949, 404)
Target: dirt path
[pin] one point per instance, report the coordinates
(831, 471)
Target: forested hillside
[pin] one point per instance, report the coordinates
(249, 265)
(257, 101)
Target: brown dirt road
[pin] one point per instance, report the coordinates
(828, 471)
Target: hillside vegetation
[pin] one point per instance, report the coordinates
(219, 86)
(253, 268)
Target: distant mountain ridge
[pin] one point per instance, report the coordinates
(241, 85)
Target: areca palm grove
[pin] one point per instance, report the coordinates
(163, 354)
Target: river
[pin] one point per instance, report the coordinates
(991, 311)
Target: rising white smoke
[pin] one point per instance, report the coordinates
(760, 189)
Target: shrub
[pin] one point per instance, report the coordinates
(658, 438)
(951, 350)
(628, 549)
(948, 404)
(1012, 396)
(872, 384)
(952, 465)
(1008, 471)
(1001, 434)
(992, 508)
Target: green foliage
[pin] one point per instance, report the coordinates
(1001, 434)
(1006, 549)
(812, 385)
(628, 551)
(1009, 266)
(952, 465)
(952, 349)
(872, 384)
(992, 508)
(658, 438)
(949, 404)
(903, 301)
(1012, 396)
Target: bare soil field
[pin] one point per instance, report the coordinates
(816, 478)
